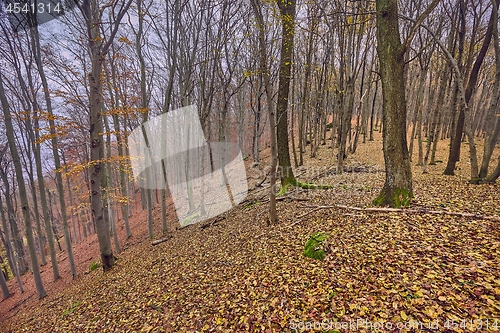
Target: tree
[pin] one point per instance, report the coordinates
(99, 46)
(398, 187)
(8, 247)
(264, 72)
(492, 123)
(287, 13)
(9, 128)
(464, 118)
(464, 94)
(3, 286)
(36, 49)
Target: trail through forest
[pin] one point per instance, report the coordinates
(236, 274)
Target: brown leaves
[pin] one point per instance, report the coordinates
(240, 276)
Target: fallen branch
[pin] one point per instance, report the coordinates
(422, 211)
(213, 222)
(291, 198)
(159, 241)
(349, 169)
(315, 209)
(263, 180)
(294, 223)
(403, 210)
(17, 306)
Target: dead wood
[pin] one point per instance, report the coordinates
(404, 210)
(159, 241)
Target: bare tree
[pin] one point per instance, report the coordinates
(99, 45)
(6, 241)
(22, 190)
(264, 72)
(398, 187)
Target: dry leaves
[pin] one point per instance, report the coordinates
(240, 276)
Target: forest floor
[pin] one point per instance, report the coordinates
(386, 271)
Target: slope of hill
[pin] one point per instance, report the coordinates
(240, 275)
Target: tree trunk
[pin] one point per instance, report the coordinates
(70, 194)
(492, 134)
(123, 200)
(57, 164)
(397, 190)
(107, 182)
(372, 115)
(19, 254)
(418, 104)
(306, 86)
(287, 13)
(99, 47)
(8, 248)
(3, 286)
(495, 174)
(471, 85)
(22, 191)
(264, 73)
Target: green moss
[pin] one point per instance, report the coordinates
(294, 182)
(475, 181)
(313, 248)
(94, 265)
(396, 198)
(71, 309)
(251, 204)
(188, 219)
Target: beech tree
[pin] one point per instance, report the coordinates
(6, 241)
(99, 45)
(287, 15)
(264, 73)
(398, 187)
(3, 285)
(55, 142)
(9, 128)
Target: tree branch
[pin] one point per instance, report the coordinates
(418, 22)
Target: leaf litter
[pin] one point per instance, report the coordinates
(238, 275)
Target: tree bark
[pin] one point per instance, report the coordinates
(3, 286)
(495, 174)
(287, 13)
(398, 189)
(35, 38)
(264, 73)
(8, 248)
(98, 49)
(22, 191)
(492, 125)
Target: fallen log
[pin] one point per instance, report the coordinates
(422, 211)
(159, 241)
(403, 210)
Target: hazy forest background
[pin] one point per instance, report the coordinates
(401, 96)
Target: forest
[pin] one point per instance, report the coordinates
(249, 166)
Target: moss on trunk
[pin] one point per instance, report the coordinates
(394, 197)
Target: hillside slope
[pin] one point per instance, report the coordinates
(239, 275)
